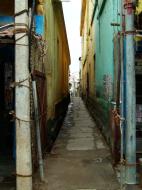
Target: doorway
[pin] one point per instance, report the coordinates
(7, 125)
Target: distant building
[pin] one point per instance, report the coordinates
(75, 84)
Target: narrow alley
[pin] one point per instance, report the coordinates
(70, 94)
(80, 158)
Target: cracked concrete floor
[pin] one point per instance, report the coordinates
(80, 159)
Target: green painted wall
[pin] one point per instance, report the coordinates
(104, 66)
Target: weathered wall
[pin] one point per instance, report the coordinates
(98, 55)
(104, 35)
(88, 62)
(50, 52)
(51, 56)
(58, 57)
(104, 67)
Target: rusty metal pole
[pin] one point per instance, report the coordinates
(22, 95)
(130, 94)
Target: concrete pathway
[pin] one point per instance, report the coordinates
(80, 159)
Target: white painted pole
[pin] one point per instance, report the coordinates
(23, 133)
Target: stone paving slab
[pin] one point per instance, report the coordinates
(80, 159)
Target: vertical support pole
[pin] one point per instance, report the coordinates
(41, 165)
(130, 95)
(122, 96)
(23, 133)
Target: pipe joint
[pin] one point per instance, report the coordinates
(130, 7)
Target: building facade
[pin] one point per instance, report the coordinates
(34, 47)
(98, 63)
(113, 95)
(88, 45)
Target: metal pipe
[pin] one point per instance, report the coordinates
(22, 105)
(119, 74)
(122, 98)
(6, 26)
(41, 165)
(130, 95)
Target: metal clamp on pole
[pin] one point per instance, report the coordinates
(129, 6)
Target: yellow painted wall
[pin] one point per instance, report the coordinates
(58, 57)
(139, 7)
(88, 47)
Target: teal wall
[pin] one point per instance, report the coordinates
(104, 66)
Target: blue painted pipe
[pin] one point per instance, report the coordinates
(130, 97)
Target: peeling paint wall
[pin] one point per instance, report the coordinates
(105, 70)
(104, 37)
(58, 57)
(104, 51)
